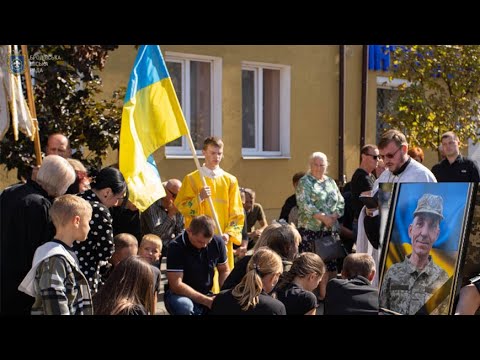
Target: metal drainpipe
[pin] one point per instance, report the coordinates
(363, 120)
(341, 115)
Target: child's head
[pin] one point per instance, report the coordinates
(73, 214)
(308, 267)
(126, 245)
(263, 271)
(150, 248)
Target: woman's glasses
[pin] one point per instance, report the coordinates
(375, 157)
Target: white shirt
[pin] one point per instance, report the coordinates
(413, 173)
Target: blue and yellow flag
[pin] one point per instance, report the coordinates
(444, 251)
(151, 117)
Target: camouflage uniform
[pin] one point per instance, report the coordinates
(405, 289)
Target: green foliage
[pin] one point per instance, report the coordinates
(66, 88)
(442, 95)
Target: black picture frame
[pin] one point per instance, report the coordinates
(410, 290)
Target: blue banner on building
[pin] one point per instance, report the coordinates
(379, 57)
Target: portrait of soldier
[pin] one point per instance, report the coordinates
(409, 284)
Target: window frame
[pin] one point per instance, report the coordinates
(284, 120)
(216, 64)
(384, 82)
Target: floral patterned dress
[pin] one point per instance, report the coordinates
(317, 196)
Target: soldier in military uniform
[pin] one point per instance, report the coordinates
(408, 285)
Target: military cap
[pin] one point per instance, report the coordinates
(430, 204)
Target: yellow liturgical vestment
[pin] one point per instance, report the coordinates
(226, 200)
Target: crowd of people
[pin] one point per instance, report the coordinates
(73, 243)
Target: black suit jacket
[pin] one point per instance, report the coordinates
(351, 297)
(24, 225)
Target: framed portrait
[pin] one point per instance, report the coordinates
(425, 242)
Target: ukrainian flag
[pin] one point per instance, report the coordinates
(151, 117)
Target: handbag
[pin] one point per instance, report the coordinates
(330, 247)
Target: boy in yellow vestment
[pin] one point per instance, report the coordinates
(222, 187)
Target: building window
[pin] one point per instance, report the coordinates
(265, 110)
(387, 94)
(197, 82)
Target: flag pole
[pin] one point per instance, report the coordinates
(31, 105)
(209, 199)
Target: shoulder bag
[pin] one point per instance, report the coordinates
(330, 247)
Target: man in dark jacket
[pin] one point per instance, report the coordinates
(25, 225)
(291, 201)
(455, 167)
(353, 294)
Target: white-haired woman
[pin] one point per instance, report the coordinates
(25, 225)
(320, 204)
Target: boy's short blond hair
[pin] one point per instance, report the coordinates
(66, 207)
(154, 239)
(212, 141)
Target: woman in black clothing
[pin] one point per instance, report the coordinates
(283, 239)
(250, 297)
(108, 189)
(295, 289)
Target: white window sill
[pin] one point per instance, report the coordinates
(180, 157)
(260, 157)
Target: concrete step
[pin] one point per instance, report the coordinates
(160, 308)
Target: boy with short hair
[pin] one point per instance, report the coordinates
(55, 279)
(150, 250)
(222, 187)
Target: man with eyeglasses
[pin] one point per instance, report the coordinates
(162, 218)
(399, 167)
(363, 180)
